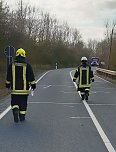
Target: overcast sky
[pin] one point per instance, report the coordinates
(88, 16)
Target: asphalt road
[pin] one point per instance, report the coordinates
(58, 121)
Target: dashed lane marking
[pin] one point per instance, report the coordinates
(60, 103)
(68, 92)
(80, 117)
(47, 87)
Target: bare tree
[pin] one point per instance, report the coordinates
(109, 37)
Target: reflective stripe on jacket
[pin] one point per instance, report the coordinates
(84, 74)
(84, 77)
(20, 76)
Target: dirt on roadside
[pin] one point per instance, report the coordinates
(3, 93)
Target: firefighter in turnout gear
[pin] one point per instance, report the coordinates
(20, 78)
(85, 76)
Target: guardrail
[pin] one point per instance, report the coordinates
(107, 73)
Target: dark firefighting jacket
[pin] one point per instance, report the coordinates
(20, 77)
(84, 75)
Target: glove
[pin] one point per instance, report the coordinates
(92, 80)
(74, 80)
(33, 86)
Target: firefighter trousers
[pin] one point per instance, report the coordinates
(19, 102)
(82, 91)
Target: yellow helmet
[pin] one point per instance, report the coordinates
(21, 52)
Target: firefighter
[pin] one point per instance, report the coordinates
(85, 76)
(20, 78)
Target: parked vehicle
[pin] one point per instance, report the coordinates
(95, 61)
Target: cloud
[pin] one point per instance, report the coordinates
(87, 15)
(92, 33)
(110, 4)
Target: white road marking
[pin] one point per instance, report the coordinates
(105, 139)
(102, 104)
(93, 92)
(99, 92)
(47, 86)
(9, 108)
(103, 88)
(70, 106)
(39, 102)
(55, 85)
(102, 134)
(62, 86)
(106, 80)
(60, 103)
(80, 117)
(68, 103)
(68, 92)
(42, 76)
(5, 112)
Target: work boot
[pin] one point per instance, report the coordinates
(16, 114)
(86, 97)
(82, 97)
(22, 117)
(86, 94)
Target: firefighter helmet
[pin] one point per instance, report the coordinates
(83, 58)
(21, 52)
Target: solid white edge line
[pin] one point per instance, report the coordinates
(9, 108)
(105, 80)
(102, 134)
(42, 76)
(5, 112)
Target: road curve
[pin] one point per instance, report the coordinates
(57, 119)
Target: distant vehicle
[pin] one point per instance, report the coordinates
(95, 61)
(102, 65)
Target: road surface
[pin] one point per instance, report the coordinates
(58, 121)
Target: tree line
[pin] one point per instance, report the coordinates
(106, 49)
(44, 39)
